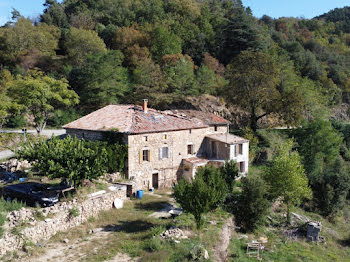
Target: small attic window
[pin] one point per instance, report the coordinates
(215, 128)
(190, 131)
(165, 137)
(145, 138)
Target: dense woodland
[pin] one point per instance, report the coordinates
(119, 51)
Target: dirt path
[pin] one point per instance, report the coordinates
(220, 254)
(76, 251)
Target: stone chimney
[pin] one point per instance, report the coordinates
(144, 105)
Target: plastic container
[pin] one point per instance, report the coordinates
(139, 194)
(151, 190)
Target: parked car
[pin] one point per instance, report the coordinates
(34, 194)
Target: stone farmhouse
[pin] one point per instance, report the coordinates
(164, 146)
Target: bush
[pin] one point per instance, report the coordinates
(252, 205)
(207, 191)
(74, 159)
(229, 173)
(330, 187)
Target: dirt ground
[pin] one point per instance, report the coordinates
(70, 252)
(220, 254)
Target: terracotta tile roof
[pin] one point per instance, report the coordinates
(206, 117)
(228, 138)
(132, 119)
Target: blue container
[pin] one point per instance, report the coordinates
(139, 194)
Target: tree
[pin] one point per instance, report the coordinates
(39, 95)
(229, 173)
(74, 159)
(330, 184)
(102, 81)
(5, 79)
(164, 43)
(24, 37)
(252, 84)
(238, 33)
(252, 205)
(286, 177)
(200, 195)
(317, 140)
(80, 43)
(180, 77)
(54, 14)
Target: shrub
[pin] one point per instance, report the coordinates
(205, 192)
(252, 205)
(330, 187)
(229, 173)
(74, 159)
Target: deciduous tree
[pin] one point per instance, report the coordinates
(253, 77)
(286, 177)
(39, 95)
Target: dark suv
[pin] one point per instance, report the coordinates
(34, 194)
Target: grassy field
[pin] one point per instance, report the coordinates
(279, 248)
(132, 231)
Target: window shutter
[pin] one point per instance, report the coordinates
(150, 155)
(160, 153)
(141, 156)
(169, 152)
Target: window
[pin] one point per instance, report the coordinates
(145, 138)
(165, 137)
(145, 155)
(215, 128)
(190, 149)
(190, 131)
(240, 149)
(164, 152)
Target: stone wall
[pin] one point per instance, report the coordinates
(167, 168)
(58, 218)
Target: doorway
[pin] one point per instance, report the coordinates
(155, 179)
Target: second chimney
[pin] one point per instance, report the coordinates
(144, 105)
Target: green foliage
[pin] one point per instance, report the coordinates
(317, 140)
(80, 42)
(73, 212)
(204, 193)
(164, 43)
(229, 173)
(102, 81)
(42, 95)
(252, 205)
(73, 159)
(286, 177)
(330, 184)
(253, 80)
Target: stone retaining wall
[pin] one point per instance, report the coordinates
(58, 218)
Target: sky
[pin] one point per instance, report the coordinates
(273, 8)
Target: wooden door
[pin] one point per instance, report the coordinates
(155, 179)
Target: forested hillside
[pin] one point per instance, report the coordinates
(81, 55)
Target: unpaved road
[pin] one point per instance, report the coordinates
(220, 254)
(48, 133)
(76, 250)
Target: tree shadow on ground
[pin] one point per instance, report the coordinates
(135, 226)
(151, 206)
(345, 242)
